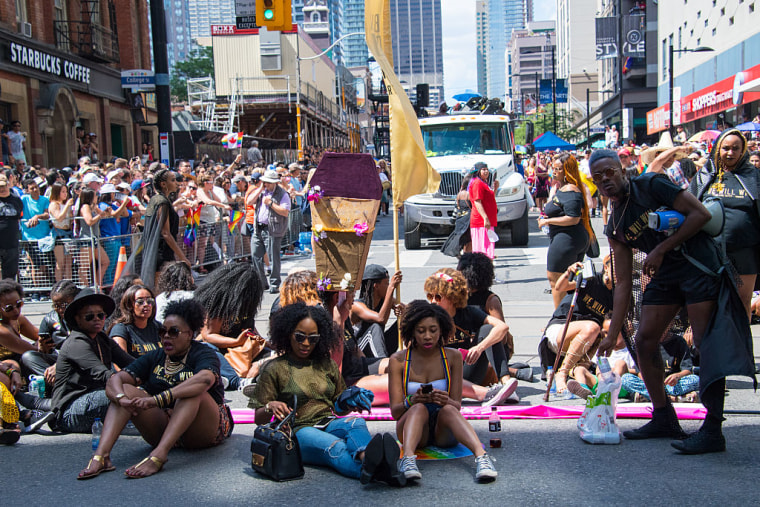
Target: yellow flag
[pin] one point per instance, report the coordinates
(411, 173)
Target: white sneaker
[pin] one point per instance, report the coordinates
(498, 393)
(408, 467)
(484, 468)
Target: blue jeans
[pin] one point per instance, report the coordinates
(686, 384)
(336, 446)
(81, 413)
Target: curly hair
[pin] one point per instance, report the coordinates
(127, 305)
(233, 296)
(189, 310)
(284, 322)
(300, 286)
(175, 276)
(477, 269)
(7, 286)
(419, 310)
(449, 283)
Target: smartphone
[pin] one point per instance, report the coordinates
(45, 337)
(322, 424)
(426, 388)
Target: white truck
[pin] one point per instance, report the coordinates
(454, 143)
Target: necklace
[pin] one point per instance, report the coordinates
(173, 367)
(620, 218)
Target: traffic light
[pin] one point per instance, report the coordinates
(275, 15)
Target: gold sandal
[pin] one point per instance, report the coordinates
(104, 468)
(156, 461)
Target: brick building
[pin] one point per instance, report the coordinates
(60, 68)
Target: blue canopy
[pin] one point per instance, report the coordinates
(549, 141)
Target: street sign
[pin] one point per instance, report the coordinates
(138, 79)
(245, 8)
(163, 143)
(245, 22)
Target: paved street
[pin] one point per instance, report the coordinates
(541, 461)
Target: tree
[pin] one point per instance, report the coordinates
(543, 121)
(199, 64)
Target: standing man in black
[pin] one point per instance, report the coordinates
(272, 204)
(675, 281)
(11, 209)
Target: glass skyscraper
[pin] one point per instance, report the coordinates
(204, 13)
(355, 51)
(503, 17)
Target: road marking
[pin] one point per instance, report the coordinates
(413, 259)
(536, 256)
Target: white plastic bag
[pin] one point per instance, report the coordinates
(597, 424)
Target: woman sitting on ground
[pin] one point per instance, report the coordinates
(15, 329)
(10, 383)
(120, 288)
(175, 283)
(425, 383)
(136, 331)
(173, 395)
(478, 270)
(370, 313)
(304, 336)
(477, 335)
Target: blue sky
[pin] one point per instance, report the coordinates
(458, 19)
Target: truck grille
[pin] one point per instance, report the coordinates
(450, 183)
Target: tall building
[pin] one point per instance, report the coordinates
(179, 42)
(481, 34)
(204, 13)
(503, 17)
(531, 57)
(417, 45)
(355, 51)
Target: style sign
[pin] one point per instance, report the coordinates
(606, 38)
(634, 36)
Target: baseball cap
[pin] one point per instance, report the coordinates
(374, 272)
(108, 188)
(124, 186)
(237, 179)
(91, 178)
(3, 181)
(256, 176)
(112, 174)
(137, 185)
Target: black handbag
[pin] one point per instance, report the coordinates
(275, 451)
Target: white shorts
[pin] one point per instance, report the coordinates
(552, 333)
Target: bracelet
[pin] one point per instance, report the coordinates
(164, 398)
(408, 401)
(11, 371)
(267, 409)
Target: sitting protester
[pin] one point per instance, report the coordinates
(425, 383)
(303, 336)
(370, 313)
(85, 363)
(175, 283)
(173, 395)
(16, 329)
(10, 384)
(136, 331)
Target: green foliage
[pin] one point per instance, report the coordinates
(199, 64)
(544, 121)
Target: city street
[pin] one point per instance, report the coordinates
(541, 462)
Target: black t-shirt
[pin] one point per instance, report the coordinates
(566, 203)
(629, 224)
(676, 355)
(11, 209)
(594, 301)
(139, 341)
(352, 368)
(742, 228)
(467, 323)
(149, 370)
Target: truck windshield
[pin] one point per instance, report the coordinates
(465, 139)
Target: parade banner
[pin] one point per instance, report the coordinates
(634, 36)
(560, 90)
(411, 173)
(545, 91)
(606, 38)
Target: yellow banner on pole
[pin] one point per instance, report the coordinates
(411, 173)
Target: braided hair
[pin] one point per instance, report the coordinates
(233, 296)
(159, 178)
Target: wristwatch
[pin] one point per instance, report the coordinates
(266, 407)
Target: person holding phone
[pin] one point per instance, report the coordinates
(425, 384)
(15, 329)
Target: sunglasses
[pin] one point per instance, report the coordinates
(92, 316)
(145, 301)
(9, 308)
(609, 172)
(434, 297)
(192, 187)
(301, 337)
(172, 332)
(60, 306)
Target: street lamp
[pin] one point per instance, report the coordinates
(671, 51)
(588, 113)
(298, 82)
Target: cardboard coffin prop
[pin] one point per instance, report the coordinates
(345, 195)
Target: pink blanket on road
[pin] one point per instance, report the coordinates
(626, 411)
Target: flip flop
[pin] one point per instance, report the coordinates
(156, 461)
(102, 469)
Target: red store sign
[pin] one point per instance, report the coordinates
(713, 99)
(233, 30)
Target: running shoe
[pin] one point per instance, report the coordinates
(485, 470)
(408, 467)
(498, 393)
(577, 389)
(35, 419)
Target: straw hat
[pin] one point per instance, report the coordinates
(666, 142)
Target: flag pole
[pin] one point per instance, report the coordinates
(397, 260)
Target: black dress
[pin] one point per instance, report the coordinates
(153, 251)
(568, 242)
(461, 235)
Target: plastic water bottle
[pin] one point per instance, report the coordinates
(494, 422)
(605, 371)
(545, 228)
(550, 380)
(37, 385)
(97, 429)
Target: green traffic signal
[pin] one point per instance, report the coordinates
(268, 14)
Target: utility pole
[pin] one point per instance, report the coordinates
(554, 89)
(161, 64)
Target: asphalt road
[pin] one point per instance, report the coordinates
(541, 462)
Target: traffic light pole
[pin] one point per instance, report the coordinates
(161, 65)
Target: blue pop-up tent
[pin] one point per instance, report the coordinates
(549, 141)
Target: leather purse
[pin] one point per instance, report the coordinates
(275, 451)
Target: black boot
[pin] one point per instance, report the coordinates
(373, 457)
(388, 471)
(664, 424)
(709, 438)
(33, 402)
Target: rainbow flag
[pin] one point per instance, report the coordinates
(193, 221)
(235, 218)
(232, 140)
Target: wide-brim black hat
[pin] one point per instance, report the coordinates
(84, 298)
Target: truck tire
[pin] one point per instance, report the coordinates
(520, 230)
(411, 233)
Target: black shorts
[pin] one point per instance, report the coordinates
(433, 409)
(38, 257)
(680, 283)
(746, 260)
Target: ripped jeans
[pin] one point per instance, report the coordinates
(336, 446)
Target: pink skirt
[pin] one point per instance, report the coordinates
(480, 241)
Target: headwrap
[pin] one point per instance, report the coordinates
(715, 154)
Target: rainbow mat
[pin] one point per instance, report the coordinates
(433, 452)
(624, 411)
